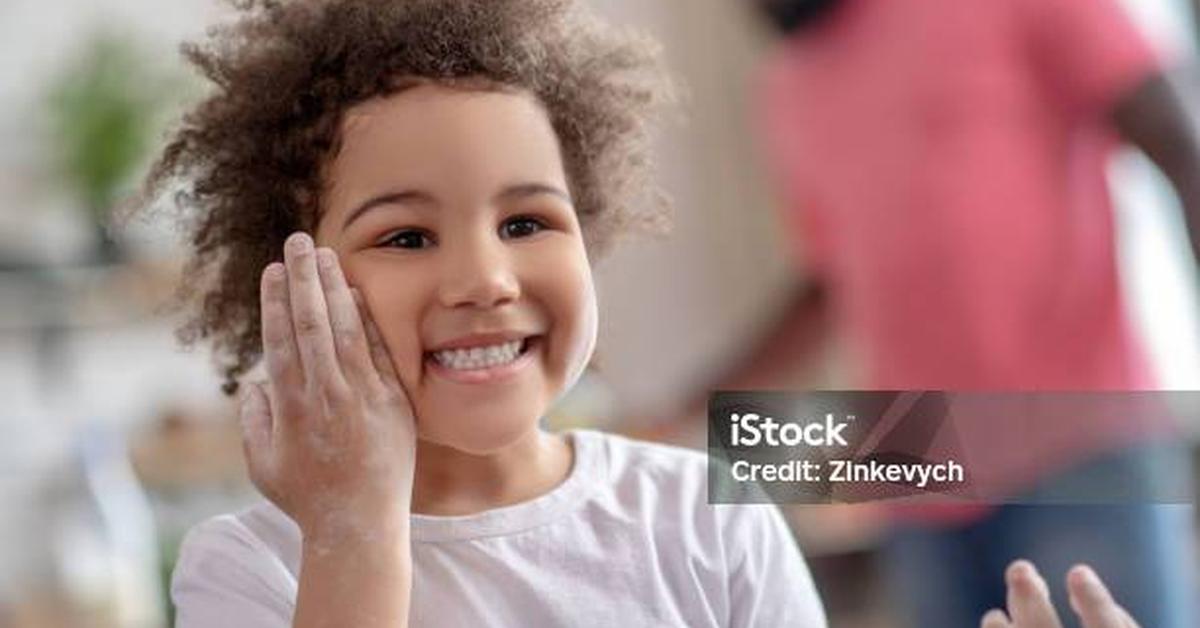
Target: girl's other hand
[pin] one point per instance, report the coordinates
(1029, 604)
(330, 439)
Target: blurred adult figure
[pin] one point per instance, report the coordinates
(943, 167)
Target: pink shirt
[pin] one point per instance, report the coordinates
(944, 166)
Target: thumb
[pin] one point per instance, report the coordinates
(254, 414)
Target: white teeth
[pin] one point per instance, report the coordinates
(479, 357)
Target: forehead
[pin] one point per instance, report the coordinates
(447, 139)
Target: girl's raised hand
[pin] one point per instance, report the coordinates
(331, 437)
(1029, 604)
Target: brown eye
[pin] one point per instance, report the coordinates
(409, 239)
(521, 227)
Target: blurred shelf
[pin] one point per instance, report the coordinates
(184, 450)
(70, 297)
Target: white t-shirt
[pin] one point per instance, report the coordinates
(628, 539)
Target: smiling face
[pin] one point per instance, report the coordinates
(449, 210)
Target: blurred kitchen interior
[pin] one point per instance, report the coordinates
(113, 441)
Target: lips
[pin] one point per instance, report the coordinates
(477, 340)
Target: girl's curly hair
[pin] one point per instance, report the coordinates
(250, 155)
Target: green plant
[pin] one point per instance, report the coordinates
(105, 112)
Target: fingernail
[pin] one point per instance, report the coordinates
(326, 258)
(1021, 568)
(299, 242)
(1024, 575)
(1083, 581)
(274, 270)
(1091, 580)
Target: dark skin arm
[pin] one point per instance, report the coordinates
(1156, 119)
(1153, 117)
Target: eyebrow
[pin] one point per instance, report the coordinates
(510, 193)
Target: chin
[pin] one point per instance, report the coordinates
(479, 432)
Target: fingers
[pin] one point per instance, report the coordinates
(380, 356)
(995, 618)
(310, 316)
(1029, 602)
(1093, 603)
(349, 335)
(279, 340)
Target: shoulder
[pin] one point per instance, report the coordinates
(630, 463)
(625, 452)
(748, 548)
(237, 564)
(258, 531)
(662, 488)
(676, 476)
(670, 486)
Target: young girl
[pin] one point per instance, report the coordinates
(453, 164)
(395, 204)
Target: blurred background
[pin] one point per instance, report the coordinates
(113, 441)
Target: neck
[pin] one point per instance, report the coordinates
(450, 482)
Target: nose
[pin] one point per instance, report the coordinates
(478, 274)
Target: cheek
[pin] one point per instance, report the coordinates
(578, 362)
(394, 300)
(570, 297)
